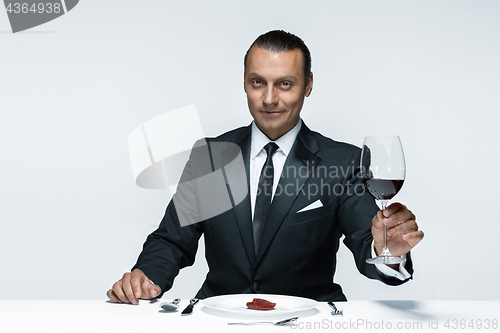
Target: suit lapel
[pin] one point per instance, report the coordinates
(298, 167)
(238, 181)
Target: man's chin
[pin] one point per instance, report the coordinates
(273, 132)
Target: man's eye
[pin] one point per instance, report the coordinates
(286, 84)
(256, 82)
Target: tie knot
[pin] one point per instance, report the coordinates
(271, 148)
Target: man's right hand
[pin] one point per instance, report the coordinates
(132, 287)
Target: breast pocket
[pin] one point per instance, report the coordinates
(312, 214)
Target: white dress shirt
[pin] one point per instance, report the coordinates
(257, 159)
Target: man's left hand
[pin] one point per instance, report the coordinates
(402, 228)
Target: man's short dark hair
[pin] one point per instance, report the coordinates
(282, 41)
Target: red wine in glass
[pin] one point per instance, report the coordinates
(383, 172)
(383, 189)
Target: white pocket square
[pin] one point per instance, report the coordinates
(315, 204)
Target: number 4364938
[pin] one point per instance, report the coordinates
(471, 324)
(36, 8)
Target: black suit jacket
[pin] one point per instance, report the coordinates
(297, 255)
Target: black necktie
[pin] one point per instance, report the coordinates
(264, 194)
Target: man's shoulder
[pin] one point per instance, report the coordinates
(234, 135)
(328, 145)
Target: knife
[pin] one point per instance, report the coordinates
(189, 308)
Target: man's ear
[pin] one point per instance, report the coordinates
(309, 85)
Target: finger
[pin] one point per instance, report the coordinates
(154, 290)
(378, 220)
(118, 292)
(403, 227)
(135, 281)
(394, 207)
(127, 289)
(113, 297)
(413, 238)
(399, 217)
(146, 285)
(150, 290)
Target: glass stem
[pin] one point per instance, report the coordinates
(385, 251)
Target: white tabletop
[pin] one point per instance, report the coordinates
(381, 316)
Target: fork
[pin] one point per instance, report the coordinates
(336, 312)
(286, 322)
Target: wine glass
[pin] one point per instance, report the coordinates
(383, 173)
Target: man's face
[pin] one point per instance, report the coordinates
(275, 87)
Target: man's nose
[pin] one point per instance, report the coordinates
(270, 96)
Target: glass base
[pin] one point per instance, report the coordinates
(384, 260)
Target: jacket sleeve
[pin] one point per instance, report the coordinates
(172, 246)
(168, 249)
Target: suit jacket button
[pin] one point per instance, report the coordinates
(255, 286)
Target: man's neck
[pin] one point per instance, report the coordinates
(285, 141)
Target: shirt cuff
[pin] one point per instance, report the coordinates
(402, 274)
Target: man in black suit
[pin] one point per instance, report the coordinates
(281, 231)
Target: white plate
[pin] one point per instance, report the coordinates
(234, 306)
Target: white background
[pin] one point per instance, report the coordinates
(72, 220)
